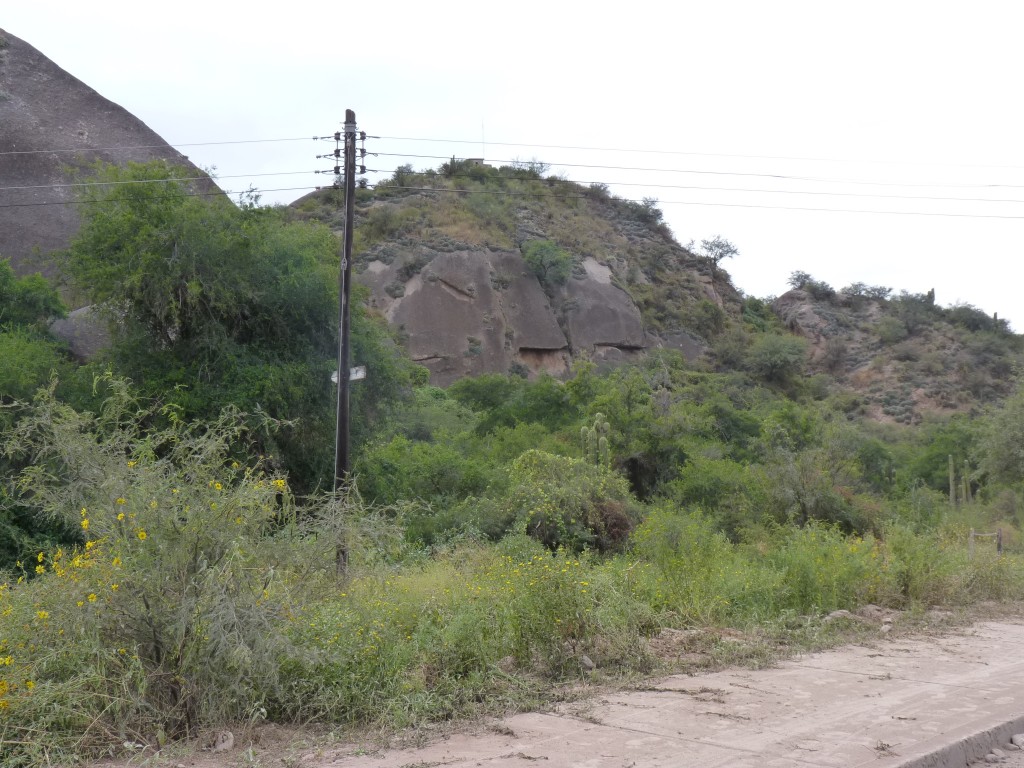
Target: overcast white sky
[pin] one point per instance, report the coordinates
(867, 106)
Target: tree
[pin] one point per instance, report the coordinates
(548, 262)
(718, 248)
(212, 304)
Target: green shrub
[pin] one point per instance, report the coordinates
(692, 567)
(29, 300)
(891, 330)
(404, 469)
(548, 262)
(436, 640)
(165, 618)
(566, 502)
(776, 358)
(824, 569)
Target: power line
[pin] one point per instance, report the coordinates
(607, 183)
(722, 173)
(694, 187)
(635, 150)
(219, 192)
(720, 205)
(158, 146)
(154, 181)
(552, 196)
(765, 191)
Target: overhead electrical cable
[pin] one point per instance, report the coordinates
(486, 180)
(155, 181)
(765, 191)
(721, 205)
(636, 150)
(787, 177)
(158, 146)
(168, 197)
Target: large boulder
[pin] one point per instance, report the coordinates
(468, 312)
(52, 128)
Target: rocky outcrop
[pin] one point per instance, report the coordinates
(84, 331)
(478, 310)
(602, 317)
(52, 128)
(468, 312)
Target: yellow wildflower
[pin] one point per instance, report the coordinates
(141, 534)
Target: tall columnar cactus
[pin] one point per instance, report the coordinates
(595, 442)
(952, 482)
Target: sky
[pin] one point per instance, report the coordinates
(871, 141)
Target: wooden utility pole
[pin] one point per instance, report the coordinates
(342, 460)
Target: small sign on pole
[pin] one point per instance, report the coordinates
(355, 374)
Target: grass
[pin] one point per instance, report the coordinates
(474, 628)
(198, 597)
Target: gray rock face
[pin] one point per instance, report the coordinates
(57, 126)
(84, 331)
(468, 312)
(602, 316)
(481, 310)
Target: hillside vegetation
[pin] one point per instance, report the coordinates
(171, 561)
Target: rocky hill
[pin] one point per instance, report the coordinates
(52, 127)
(449, 258)
(484, 269)
(464, 263)
(903, 358)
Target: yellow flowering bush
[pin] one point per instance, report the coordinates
(170, 606)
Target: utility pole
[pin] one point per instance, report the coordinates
(342, 461)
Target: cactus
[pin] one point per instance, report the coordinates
(595, 442)
(952, 482)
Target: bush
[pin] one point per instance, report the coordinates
(165, 618)
(776, 358)
(818, 289)
(29, 300)
(824, 570)
(548, 262)
(402, 469)
(566, 502)
(890, 330)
